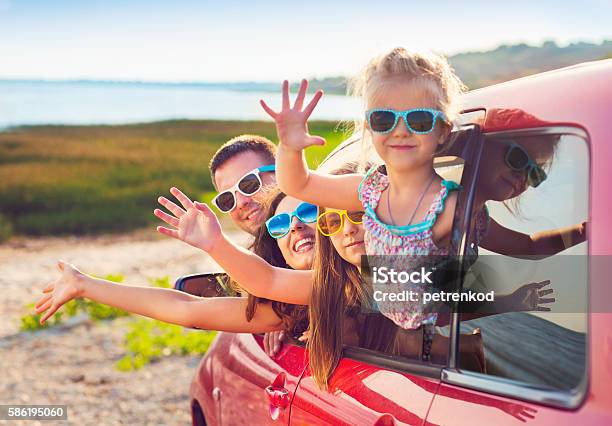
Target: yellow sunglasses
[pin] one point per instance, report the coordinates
(330, 222)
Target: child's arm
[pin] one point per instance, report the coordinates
(198, 226)
(540, 245)
(292, 173)
(172, 306)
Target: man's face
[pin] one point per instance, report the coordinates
(248, 213)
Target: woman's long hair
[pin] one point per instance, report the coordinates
(294, 317)
(339, 292)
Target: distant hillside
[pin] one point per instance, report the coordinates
(479, 69)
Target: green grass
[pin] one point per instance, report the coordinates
(149, 340)
(79, 180)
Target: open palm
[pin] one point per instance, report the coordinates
(60, 291)
(194, 224)
(292, 123)
(530, 297)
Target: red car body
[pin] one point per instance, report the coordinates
(237, 383)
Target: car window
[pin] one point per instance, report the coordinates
(528, 251)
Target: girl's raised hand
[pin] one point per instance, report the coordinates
(194, 224)
(63, 290)
(291, 123)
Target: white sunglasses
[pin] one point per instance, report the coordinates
(248, 184)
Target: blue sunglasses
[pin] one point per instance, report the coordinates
(418, 120)
(279, 225)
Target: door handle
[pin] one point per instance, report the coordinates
(278, 396)
(385, 420)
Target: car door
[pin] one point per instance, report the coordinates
(237, 382)
(536, 361)
(250, 386)
(367, 388)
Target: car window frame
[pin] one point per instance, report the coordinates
(565, 399)
(450, 373)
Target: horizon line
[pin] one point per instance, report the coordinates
(96, 80)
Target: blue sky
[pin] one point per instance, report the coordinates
(264, 41)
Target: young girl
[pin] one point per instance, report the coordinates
(512, 167)
(410, 102)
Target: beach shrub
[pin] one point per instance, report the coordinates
(6, 229)
(149, 340)
(145, 341)
(161, 282)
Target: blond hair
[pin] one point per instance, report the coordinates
(428, 68)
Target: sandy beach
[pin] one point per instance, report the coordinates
(74, 364)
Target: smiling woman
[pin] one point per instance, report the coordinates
(298, 241)
(293, 250)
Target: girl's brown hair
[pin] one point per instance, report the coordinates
(338, 294)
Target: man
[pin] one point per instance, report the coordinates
(234, 162)
(236, 159)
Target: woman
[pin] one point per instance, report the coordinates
(293, 251)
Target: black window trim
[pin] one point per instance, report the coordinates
(570, 399)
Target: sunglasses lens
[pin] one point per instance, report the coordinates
(517, 158)
(307, 213)
(278, 226)
(249, 184)
(536, 176)
(225, 201)
(382, 121)
(356, 217)
(420, 121)
(330, 223)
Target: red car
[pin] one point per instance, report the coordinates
(541, 367)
